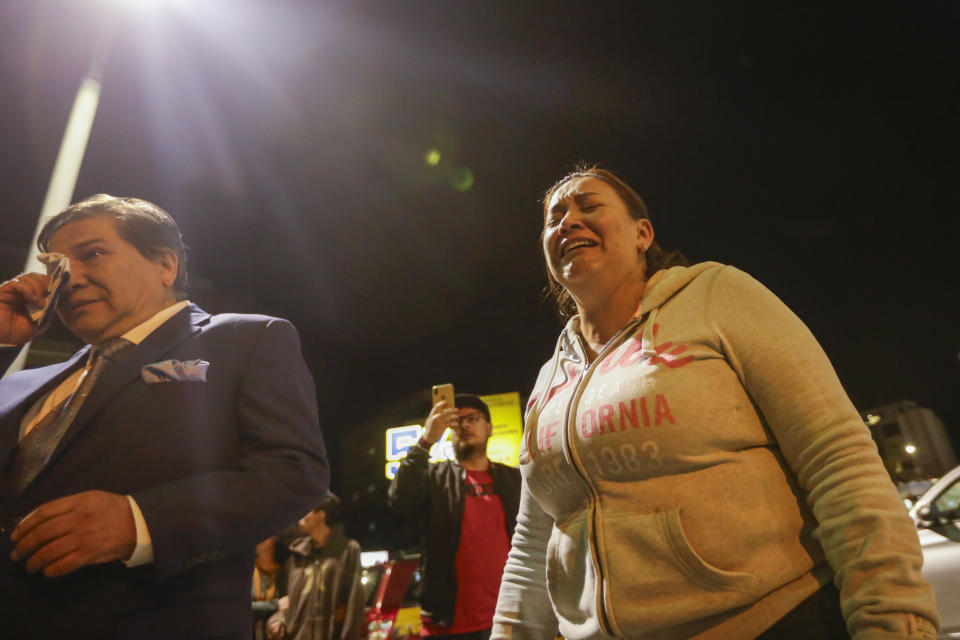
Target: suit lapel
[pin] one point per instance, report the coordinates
(19, 395)
(167, 336)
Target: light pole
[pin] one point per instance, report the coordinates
(63, 180)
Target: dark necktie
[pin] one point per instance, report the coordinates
(37, 446)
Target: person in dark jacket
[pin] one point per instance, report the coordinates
(468, 510)
(324, 598)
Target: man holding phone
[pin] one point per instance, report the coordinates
(468, 510)
(137, 477)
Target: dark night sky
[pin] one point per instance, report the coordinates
(809, 144)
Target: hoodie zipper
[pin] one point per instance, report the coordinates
(611, 344)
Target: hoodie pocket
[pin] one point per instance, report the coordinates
(571, 580)
(654, 579)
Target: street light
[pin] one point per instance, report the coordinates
(63, 180)
(66, 168)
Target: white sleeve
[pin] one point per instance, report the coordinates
(143, 552)
(523, 608)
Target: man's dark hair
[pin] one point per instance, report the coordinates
(143, 224)
(330, 505)
(470, 401)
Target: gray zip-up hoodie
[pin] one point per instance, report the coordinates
(700, 478)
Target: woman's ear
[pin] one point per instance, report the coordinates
(644, 234)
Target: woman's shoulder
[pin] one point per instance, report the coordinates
(736, 282)
(710, 275)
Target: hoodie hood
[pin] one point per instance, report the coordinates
(664, 284)
(569, 352)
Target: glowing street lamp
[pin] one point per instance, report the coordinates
(66, 168)
(63, 180)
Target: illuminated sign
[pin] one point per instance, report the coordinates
(372, 558)
(399, 439)
(504, 444)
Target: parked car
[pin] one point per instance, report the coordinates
(937, 515)
(392, 611)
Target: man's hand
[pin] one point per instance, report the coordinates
(441, 418)
(86, 528)
(15, 325)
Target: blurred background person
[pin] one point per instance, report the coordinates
(692, 466)
(324, 598)
(268, 586)
(467, 509)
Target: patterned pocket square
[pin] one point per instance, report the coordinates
(175, 371)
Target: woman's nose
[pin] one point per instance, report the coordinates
(571, 220)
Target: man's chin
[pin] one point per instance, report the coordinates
(79, 330)
(469, 450)
(89, 332)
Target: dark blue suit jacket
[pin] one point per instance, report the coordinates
(215, 467)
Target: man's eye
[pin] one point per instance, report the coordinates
(589, 208)
(92, 254)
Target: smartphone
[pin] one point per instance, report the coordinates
(443, 392)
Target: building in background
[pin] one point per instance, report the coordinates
(912, 441)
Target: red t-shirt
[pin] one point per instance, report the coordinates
(483, 549)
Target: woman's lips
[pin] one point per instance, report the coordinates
(572, 245)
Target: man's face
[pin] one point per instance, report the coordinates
(113, 287)
(470, 435)
(313, 521)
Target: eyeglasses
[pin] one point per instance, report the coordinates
(472, 418)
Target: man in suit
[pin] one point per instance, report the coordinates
(197, 439)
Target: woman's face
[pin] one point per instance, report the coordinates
(589, 238)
